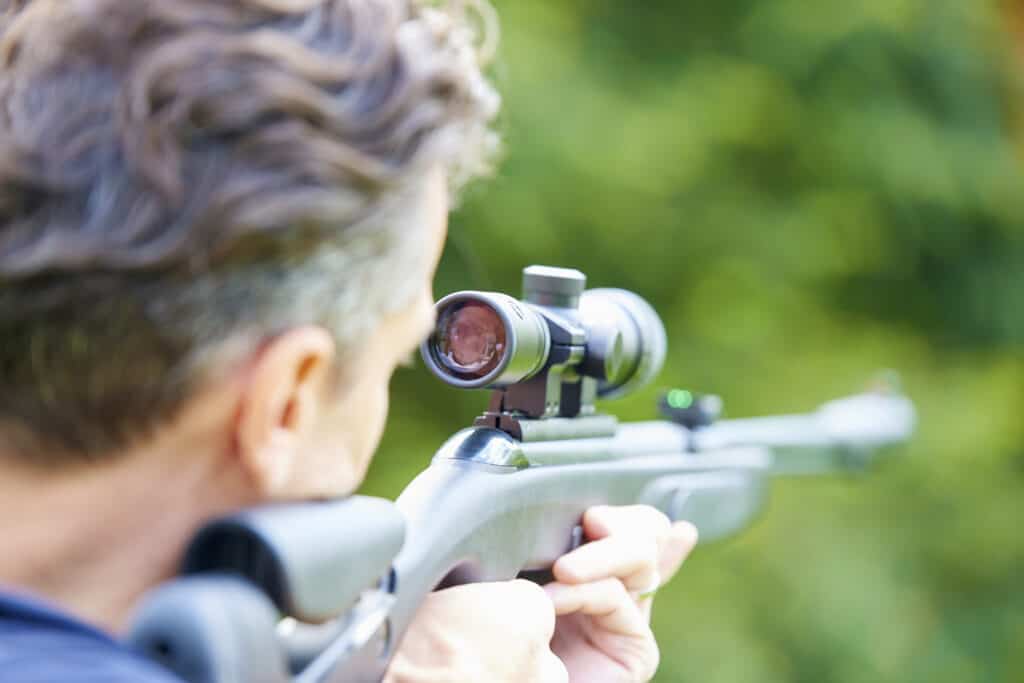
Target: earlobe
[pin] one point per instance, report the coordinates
(283, 392)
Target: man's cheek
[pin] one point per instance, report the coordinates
(380, 418)
(369, 424)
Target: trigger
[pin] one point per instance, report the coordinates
(576, 538)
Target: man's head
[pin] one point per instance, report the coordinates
(219, 220)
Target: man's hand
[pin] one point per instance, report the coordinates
(507, 632)
(604, 589)
(494, 632)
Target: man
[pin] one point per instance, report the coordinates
(219, 221)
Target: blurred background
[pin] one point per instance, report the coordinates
(807, 192)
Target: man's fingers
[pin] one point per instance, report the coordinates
(533, 600)
(633, 559)
(605, 601)
(481, 632)
(603, 520)
(675, 547)
(551, 669)
(626, 544)
(520, 601)
(636, 544)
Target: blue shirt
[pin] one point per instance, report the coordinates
(39, 644)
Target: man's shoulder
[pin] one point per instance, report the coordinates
(40, 644)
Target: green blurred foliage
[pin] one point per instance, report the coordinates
(807, 192)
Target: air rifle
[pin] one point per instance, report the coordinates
(323, 592)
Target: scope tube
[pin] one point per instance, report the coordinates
(643, 343)
(486, 339)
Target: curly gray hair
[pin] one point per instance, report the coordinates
(177, 174)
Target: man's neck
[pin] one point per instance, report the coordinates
(94, 540)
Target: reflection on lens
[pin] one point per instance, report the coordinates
(486, 339)
(470, 339)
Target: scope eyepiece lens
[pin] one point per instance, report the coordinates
(471, 339)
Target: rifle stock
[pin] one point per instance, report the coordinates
(487, 508)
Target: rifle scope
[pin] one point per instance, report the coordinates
(491, 340)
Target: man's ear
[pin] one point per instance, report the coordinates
(283, 393)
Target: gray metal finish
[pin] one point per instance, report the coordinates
(562, 428)
(514, 520)
(620, 318)
(842, 434)
(509, 517)
(555, 287)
